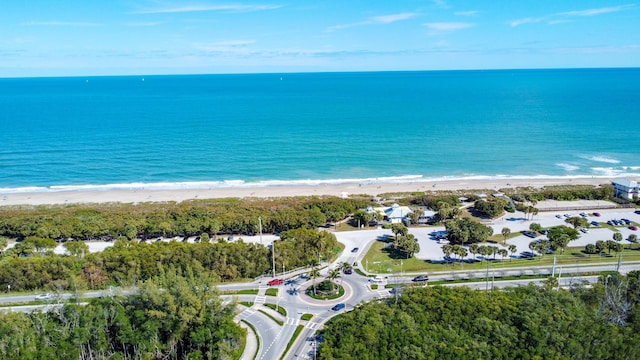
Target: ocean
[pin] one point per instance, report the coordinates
(197, 131)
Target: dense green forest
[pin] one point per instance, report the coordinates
(175, 316)
(128, 262)
(531, 322)
(189, 218)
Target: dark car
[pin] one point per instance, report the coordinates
(596, 214)
(627, 221)
(421, 278)
(355, 249)
(338, 307)
(275, 282)
(530, 234)
(633, 227)
(595, 223)
(348, 271)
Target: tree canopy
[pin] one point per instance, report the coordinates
(466, 231)
(516, 323)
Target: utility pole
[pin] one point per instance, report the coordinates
(486, 287)
(273, 256)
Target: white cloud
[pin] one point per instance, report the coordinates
(382, 19)
(448, 26)
(466, 13)
(199, 8)
(519, 22)
(441, 4)
(598, 11)
(560, 17)
(387, 19)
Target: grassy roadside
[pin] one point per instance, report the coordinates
(380, 262)
(295, 335)
(281, 323)
(279, 309)
(255, 332)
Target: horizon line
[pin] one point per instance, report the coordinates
(317, 72)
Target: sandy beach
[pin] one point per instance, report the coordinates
(373, 189)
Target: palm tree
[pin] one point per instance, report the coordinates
(473, 249)
(512, 249)
(505, 233)
(333, 274)
(314, 273)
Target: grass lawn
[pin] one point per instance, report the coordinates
(380, 262)
(241, 292)
(279, 309)
(272, 292)
(306, 316)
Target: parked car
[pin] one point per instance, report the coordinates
(527, 254)
(596, 214)
(627, 221)
(584, 230)
(559, 216)
(421, 278)
(544, 232)
(275, 282)
(355, 250)
(633, 227)
(595, 223)
(46, 296)
(530, 234)
(338, 307)
(583, 214)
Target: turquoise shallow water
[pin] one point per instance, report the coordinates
(271, 129)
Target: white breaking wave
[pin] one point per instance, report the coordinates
(568, 167)
(604, 159)
(621, 171)
(596, 172)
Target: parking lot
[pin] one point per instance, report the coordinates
(431, 247)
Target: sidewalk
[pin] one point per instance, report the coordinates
(251, 346)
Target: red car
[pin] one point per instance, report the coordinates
(275, 282)
(634, 228)
(596, 214)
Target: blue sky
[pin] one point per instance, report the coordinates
(98, 37)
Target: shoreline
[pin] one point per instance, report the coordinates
(141, 195)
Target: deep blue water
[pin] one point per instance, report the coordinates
(311, 127)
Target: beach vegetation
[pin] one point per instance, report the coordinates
(466, 231)
(528, 322)
(129, 262)
(185, 219)
(491, 207)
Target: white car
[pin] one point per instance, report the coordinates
(46, 296)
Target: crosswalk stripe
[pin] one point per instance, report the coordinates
(311, 325)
